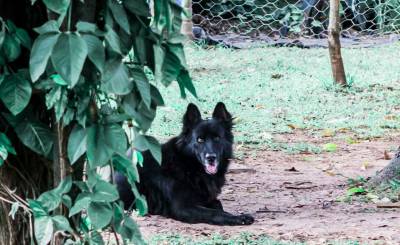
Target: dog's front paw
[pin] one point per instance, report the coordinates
(245, 219)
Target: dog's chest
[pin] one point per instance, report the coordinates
(207, 188)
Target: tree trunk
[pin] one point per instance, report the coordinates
(338, 73)
(390, 172)
(187, 24)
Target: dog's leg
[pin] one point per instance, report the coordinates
(215, 204)
(199, 214)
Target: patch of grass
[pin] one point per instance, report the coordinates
(277, 90)
(243, 238)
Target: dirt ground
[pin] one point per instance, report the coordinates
(300, 205)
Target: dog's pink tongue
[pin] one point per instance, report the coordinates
(211, 169)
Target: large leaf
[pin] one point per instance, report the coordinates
(136, 108)
(82, 202)
(61, 223)
(142, 84)
(129, 230)
(23, 37)
(49, 26)
(43, 229)
(123, 165)
(98, 153)
(68, 57)
(100, 214)
(11, 48)
(104, 192)
(112, 40)
(58, 6)
(76, 143)
(15, 92)
(50, 200)
(119, 14)
(185, 82)
(103, 141)
(33, 134)
(116, 78)
(138, 7)
(145, 142)
(6, 143)
(96, 51)
(40, 54)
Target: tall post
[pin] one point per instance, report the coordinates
(335, 54)
(187, 23)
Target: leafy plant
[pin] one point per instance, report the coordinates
(67, 89)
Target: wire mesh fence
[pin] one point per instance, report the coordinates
(286, 19)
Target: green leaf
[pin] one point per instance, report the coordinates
(103, 141)
(156, 96)
(48, 27)
(129, 230)
(64, 187)
(43, 229)
(37, 209)
(124, 165)
(82, 202)
(142, 84)
(7, 143)
(330, 147)
(41, 51)
(116, 78)
(119, 14)
(96, 51)
(140, 201)
(112, 40)
(98, 153)
(140, 113)
(100, 214)
(138, 7)
(61, 223)
(185, 82)
(15, 92)
(104, 192)
(11, 48)
(68, 57)
(355, 190)
(86, 27)
(58, 6)
(33, 134)
(49, 200)
(76, 144)
(145, 142)
(24, 38)
(57, 98)
(58, 79)
(3, 154)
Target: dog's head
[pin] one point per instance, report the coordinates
(209, 140)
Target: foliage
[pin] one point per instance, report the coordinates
(94, 78)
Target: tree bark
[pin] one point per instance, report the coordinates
(390, 172)
(187, 24)
(335, 54)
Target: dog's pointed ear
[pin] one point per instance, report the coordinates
(221, 113)
(192, 116)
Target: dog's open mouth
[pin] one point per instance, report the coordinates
(211, 168)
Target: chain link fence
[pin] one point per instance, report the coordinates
(283, 21)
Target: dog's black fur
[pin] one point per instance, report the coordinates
(186, 185)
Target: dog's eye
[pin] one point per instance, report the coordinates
(217, 138)
(200, 140)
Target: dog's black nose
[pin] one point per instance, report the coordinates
(211, 157)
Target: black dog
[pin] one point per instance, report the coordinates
(186, 185)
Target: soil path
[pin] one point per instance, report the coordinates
(300, 205)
